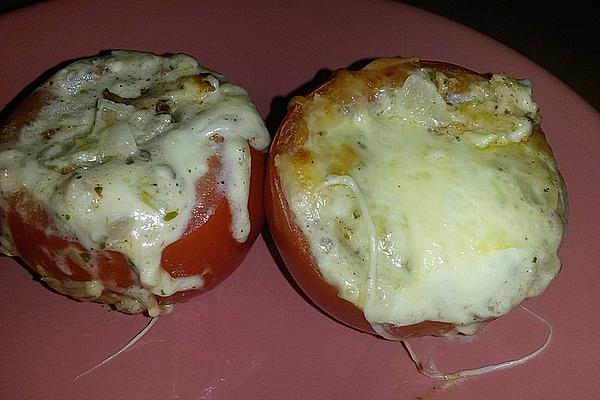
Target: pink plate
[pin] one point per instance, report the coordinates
(255, 336)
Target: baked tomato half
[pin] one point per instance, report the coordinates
(133, 179)
(379, 190)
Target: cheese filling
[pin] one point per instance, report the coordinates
(116, 154)
(420, 204)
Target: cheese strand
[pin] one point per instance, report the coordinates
(350, 183)
(123, 349)
(434, 373)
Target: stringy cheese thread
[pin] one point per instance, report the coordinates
(434, 373)
(350, 183)
(123, 349)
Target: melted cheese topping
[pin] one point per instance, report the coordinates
(116, 154)
(421, 203)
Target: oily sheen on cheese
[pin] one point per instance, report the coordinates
(115, 154)
(426, 194)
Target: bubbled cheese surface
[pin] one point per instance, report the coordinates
(424, 202)
(116, 153)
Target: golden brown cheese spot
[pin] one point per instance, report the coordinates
(477, 118)
(298, 125)
(302, 163)
(451, 81)
(343, 160)
(344, 89)
(461, 83)
(204, 86)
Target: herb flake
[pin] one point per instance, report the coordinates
(170, 215)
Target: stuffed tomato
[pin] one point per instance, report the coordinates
(416, 198)
(132, 179)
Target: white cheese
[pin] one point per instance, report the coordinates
(444, 211)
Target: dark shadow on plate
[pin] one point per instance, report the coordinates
(279, 104)
(11, 5)
(43, 285)
(22, 264)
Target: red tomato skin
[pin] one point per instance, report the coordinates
(208, 248)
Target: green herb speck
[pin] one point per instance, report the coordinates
(170, 215)
(147, 199)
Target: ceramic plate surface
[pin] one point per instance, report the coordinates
(255, 336)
